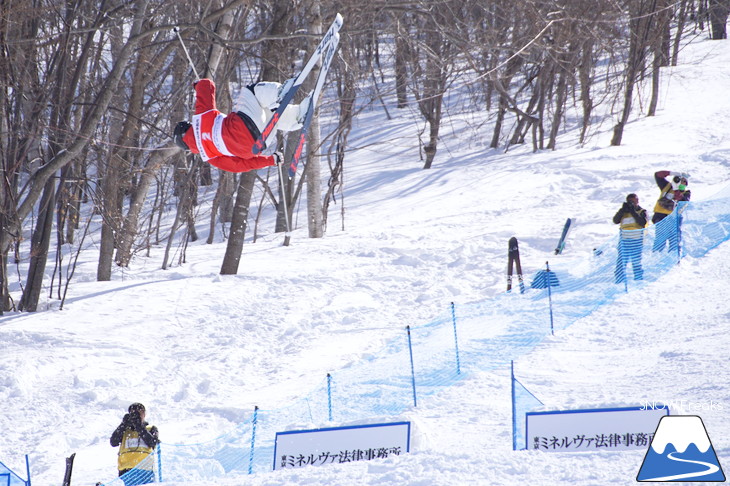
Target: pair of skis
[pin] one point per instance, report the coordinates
(513, 260)
(513, 257)
(325, 51)
(561, 242)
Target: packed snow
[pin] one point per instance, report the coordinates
(200, 350)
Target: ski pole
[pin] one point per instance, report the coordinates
(187, 54)
(287, 235)
(550, 297)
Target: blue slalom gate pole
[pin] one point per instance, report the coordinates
(514, 406)
(456, 339)
(159, 462)
(413, 370)
(679, 210)
(253, 438)
(550, 297)
(329, 395)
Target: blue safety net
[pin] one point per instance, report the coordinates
(9, 478)
(466, 338)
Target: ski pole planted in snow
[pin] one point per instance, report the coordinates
(413, 370)
(253, 438)
(329, 395)
(550, 296)
(456, 339)
(284, 195)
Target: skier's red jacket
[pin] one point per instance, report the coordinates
(223, 141)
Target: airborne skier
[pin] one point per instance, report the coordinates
(225, 141)
(235, 142)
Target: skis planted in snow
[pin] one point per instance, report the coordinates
(566, 229)
(69, 470)
(513, 263)
(290, 89)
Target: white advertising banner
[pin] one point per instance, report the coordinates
(608, 429)
(337, 445)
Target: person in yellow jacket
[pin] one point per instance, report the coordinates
(673, 191)
(632, 219)
(137, 441)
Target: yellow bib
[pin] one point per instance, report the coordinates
(133, 451)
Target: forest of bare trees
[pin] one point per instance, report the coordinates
(90, 91)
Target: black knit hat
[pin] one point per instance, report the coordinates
(136, 407)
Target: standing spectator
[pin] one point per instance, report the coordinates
(632, 219)
(137, 441)
(672, 192)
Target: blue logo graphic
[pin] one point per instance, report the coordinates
(681, 451)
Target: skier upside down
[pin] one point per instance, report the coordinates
(225, 141)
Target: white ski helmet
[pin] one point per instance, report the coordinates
(267, 94)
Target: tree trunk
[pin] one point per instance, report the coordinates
(501, 83)
(501, 112)
(718, 12)
(584, 75)
(433, 92)
(639, 33)
(222, 206)
(401, 64)
(315, 218)
(681, 21)
(40, 244)
(111, 217)
(661, 43)
(238, 226)
(430, 148)
(129, 231)
(347, 94)
(4, 294)
(561, 93)
(655, 82)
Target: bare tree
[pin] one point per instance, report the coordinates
(315, 217)
(718, 11)
(641, 24)
(346, 94)
(272, 54)
(431, 67)
(660, 45)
